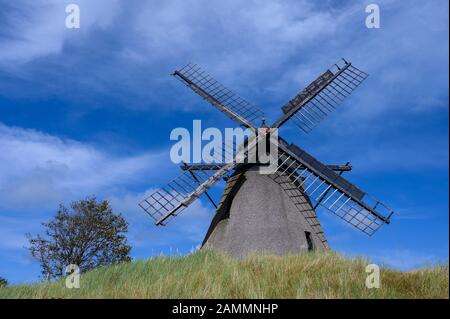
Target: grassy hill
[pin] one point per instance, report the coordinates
(206, 274)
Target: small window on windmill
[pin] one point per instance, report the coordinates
(309, 240)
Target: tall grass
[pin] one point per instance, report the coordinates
(206, 274)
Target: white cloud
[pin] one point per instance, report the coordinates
(38, 27)
(235, 38)
(39, 170)
(245, 44)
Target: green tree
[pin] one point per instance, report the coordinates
(87, 234)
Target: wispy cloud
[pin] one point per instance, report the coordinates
(39, 170)
(266, 51)
(37, 29)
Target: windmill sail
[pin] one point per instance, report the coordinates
(333, 191)
(308, 108)
(219, 96)
(168, 201)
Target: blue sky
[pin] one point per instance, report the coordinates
(89, 111)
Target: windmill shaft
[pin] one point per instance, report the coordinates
(205, 167)
(340, 168)
(201, 167)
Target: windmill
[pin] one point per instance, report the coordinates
(271, 213)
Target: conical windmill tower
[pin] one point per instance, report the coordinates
(271, 213)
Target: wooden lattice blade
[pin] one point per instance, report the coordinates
(313, 104)
(171, 199)
(219, 96)
(334, 192)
